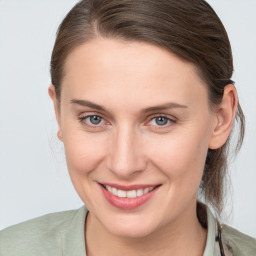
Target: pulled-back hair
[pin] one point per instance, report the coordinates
(188, 28)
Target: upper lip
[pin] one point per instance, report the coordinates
(130, 187)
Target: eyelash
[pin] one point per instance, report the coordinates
(169, 120)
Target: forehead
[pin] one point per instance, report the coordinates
(119, 55)
(114, 67)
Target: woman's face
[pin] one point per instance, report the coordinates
(133, 116)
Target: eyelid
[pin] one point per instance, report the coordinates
(171, 119)
(81, 119)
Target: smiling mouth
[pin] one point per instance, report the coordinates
(128, 193)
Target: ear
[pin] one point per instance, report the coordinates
(225, 114)
(52, 94)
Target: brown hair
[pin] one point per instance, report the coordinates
(188, 28)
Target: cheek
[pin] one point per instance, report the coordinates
(180, 160)
(83, 151)
(180, 156)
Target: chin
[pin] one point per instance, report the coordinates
(130, 232)
(131, 229)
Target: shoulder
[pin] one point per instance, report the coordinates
(42, 233)
(241, 244)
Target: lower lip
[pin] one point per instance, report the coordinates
(125, 202)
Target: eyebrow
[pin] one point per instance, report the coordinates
(170, 105)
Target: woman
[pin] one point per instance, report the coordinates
(145, 108)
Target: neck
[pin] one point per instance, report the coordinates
(183, 236)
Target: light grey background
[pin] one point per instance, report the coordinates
(33, 175)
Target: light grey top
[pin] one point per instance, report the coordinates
(62, 233)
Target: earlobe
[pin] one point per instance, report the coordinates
(52, 94)
(225, 117)
(59, 134)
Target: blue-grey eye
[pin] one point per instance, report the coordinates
(161, 120)
(95, 119)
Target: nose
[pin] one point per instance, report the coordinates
(125, 157)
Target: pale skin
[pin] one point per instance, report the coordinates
(128, 146)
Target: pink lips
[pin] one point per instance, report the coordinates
(128, 203)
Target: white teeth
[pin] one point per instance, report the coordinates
(146, 190)
(139, 192)
(114, 191)
(121, 193)
(130, 193)
(109, 189)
